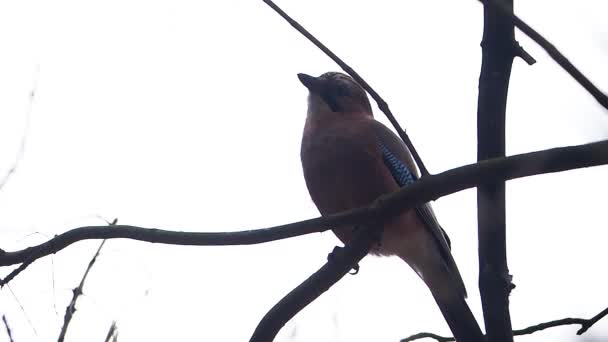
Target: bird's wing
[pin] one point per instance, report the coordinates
(398, 159)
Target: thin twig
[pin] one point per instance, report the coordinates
(71, 309)
(584, 323)
(553, 52)
(27, 317)
(381, 103)
(16, 271)
(422, 191)
(422, 335)
(28, 114)
(112, 335)
(8, 329)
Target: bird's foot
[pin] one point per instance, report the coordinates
(334, 255)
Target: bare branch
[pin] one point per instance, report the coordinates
(339, 262)
(28, 115)
(112, 335)
(381, 103)
(553, 52)
(422, 335)
(498, 50)
(584, 323)
(71, 309)
(422, 191)
(8, 329)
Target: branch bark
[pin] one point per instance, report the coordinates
(553, 52)
(77, 292)
(583, 322)
(339, 262)
(498, 50)
(422, 191)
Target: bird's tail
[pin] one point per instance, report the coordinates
(460, 319)
(453, 306)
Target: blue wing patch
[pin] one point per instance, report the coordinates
(400, 172)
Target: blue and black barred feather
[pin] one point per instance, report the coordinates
(403, 176)
(400, 172)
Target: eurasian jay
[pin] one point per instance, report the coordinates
(349, 160)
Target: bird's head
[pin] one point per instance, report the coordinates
(335, 92)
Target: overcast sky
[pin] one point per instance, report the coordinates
(188, 114)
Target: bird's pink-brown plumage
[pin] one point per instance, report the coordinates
(349, 160)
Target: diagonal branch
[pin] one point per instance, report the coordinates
(339, 262)
(381, 103)
(583, 322)
(422, 191)
(8, 329)
(71, 309)
(553, 52)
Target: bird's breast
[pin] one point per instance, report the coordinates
(343, 171)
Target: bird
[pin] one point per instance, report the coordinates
(349, 160)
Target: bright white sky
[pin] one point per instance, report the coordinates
(188, 114)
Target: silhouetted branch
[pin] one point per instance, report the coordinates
(422, 191)
(16, 271)
(8, 329)
(499, 47)
(584, 323)
(71, 309)
(339, 262)
(422, 335)
(553, 52)
(112, 335)
(381, 103)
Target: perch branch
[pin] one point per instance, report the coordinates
(422, 191)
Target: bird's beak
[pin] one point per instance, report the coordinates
(313, 84)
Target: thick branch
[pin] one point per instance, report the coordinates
(381, 103)
(584, 323)
(422, 191)
(498, 51)
(553, 52)
(339, 262)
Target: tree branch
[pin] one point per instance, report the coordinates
(71, 309)
(553, 52)
(8, 329)
(339, 262)
(381, 103)
(498, 50)
(112, 335)
(584, 323)
(28, 115)
(422, 191)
